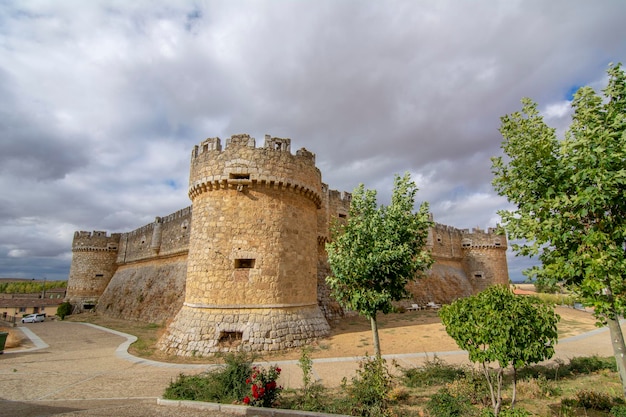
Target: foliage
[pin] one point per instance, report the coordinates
(370, 387)
(569, 197)
(444, 404)
(496, 326)
(225, 385)
(30, 287)
(618, 411)
(434, 372)
(472, 386)
(64, 309)
(312, 393)
(378, 251)
(264, 391)
(594, 400)
(514, 412)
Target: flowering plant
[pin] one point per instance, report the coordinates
(264, 390)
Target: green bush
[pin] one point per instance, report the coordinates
(472, 386)
(64, 309)
(444, 404)
(514, 412)
(434, 372)
(225, 385)
(594, 400)
(590, 364)
(618, 411)
(311, 396)
(369, 390)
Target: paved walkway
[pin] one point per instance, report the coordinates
(76, 369)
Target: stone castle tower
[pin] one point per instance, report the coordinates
(93, 265)
(252, 263)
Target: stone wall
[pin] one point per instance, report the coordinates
(151, 291)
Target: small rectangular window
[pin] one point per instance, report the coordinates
(99, 275)
(244, 263)
(239, 176)
(342, 216)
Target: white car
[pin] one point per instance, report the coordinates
(33, 318)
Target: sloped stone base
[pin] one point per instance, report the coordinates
(205, 331)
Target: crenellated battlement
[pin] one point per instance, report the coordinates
(95, 241)
(236, 142)
(241, 166)
(476, 238)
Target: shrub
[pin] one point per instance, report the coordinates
(472, 386)
(225, 385)
(264, 391)
(514, 412)
(590, 364)
(536, 388)
(312, 398)
(64, 309)
(434, 372)
(594, 400)
(618, 411)
(444, 404)
(369, 390)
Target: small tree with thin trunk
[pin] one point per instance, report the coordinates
(497, 326)
(378, 251)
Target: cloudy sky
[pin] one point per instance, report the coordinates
(101, 102)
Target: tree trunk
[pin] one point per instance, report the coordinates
(375, 336)
(619, 349)
(514, 387)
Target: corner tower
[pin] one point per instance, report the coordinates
(94, 256)
(252, 264)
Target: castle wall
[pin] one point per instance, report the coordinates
(151, 291)
(166, 236)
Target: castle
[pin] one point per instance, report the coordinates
(245, 265)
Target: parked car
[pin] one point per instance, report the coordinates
(33, 318)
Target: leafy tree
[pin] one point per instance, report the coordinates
(569, 194)
(496, 325)
(378, 251)
(64, 309)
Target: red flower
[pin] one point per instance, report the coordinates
(246, 400)
(278, 370)
(248, 381)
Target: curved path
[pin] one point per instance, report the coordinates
(74, 369)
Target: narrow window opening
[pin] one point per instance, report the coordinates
(239, 176)
(244, 263)
(99, 275)
(342, 216)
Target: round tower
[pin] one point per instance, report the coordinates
(484, 258)
(94, 257)
(252, 264)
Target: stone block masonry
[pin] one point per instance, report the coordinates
(244, 267)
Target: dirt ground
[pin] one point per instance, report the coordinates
(408, 332)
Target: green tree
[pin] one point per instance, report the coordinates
(64, 309)
(496, 325)
(375, 254)
(569, 197)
